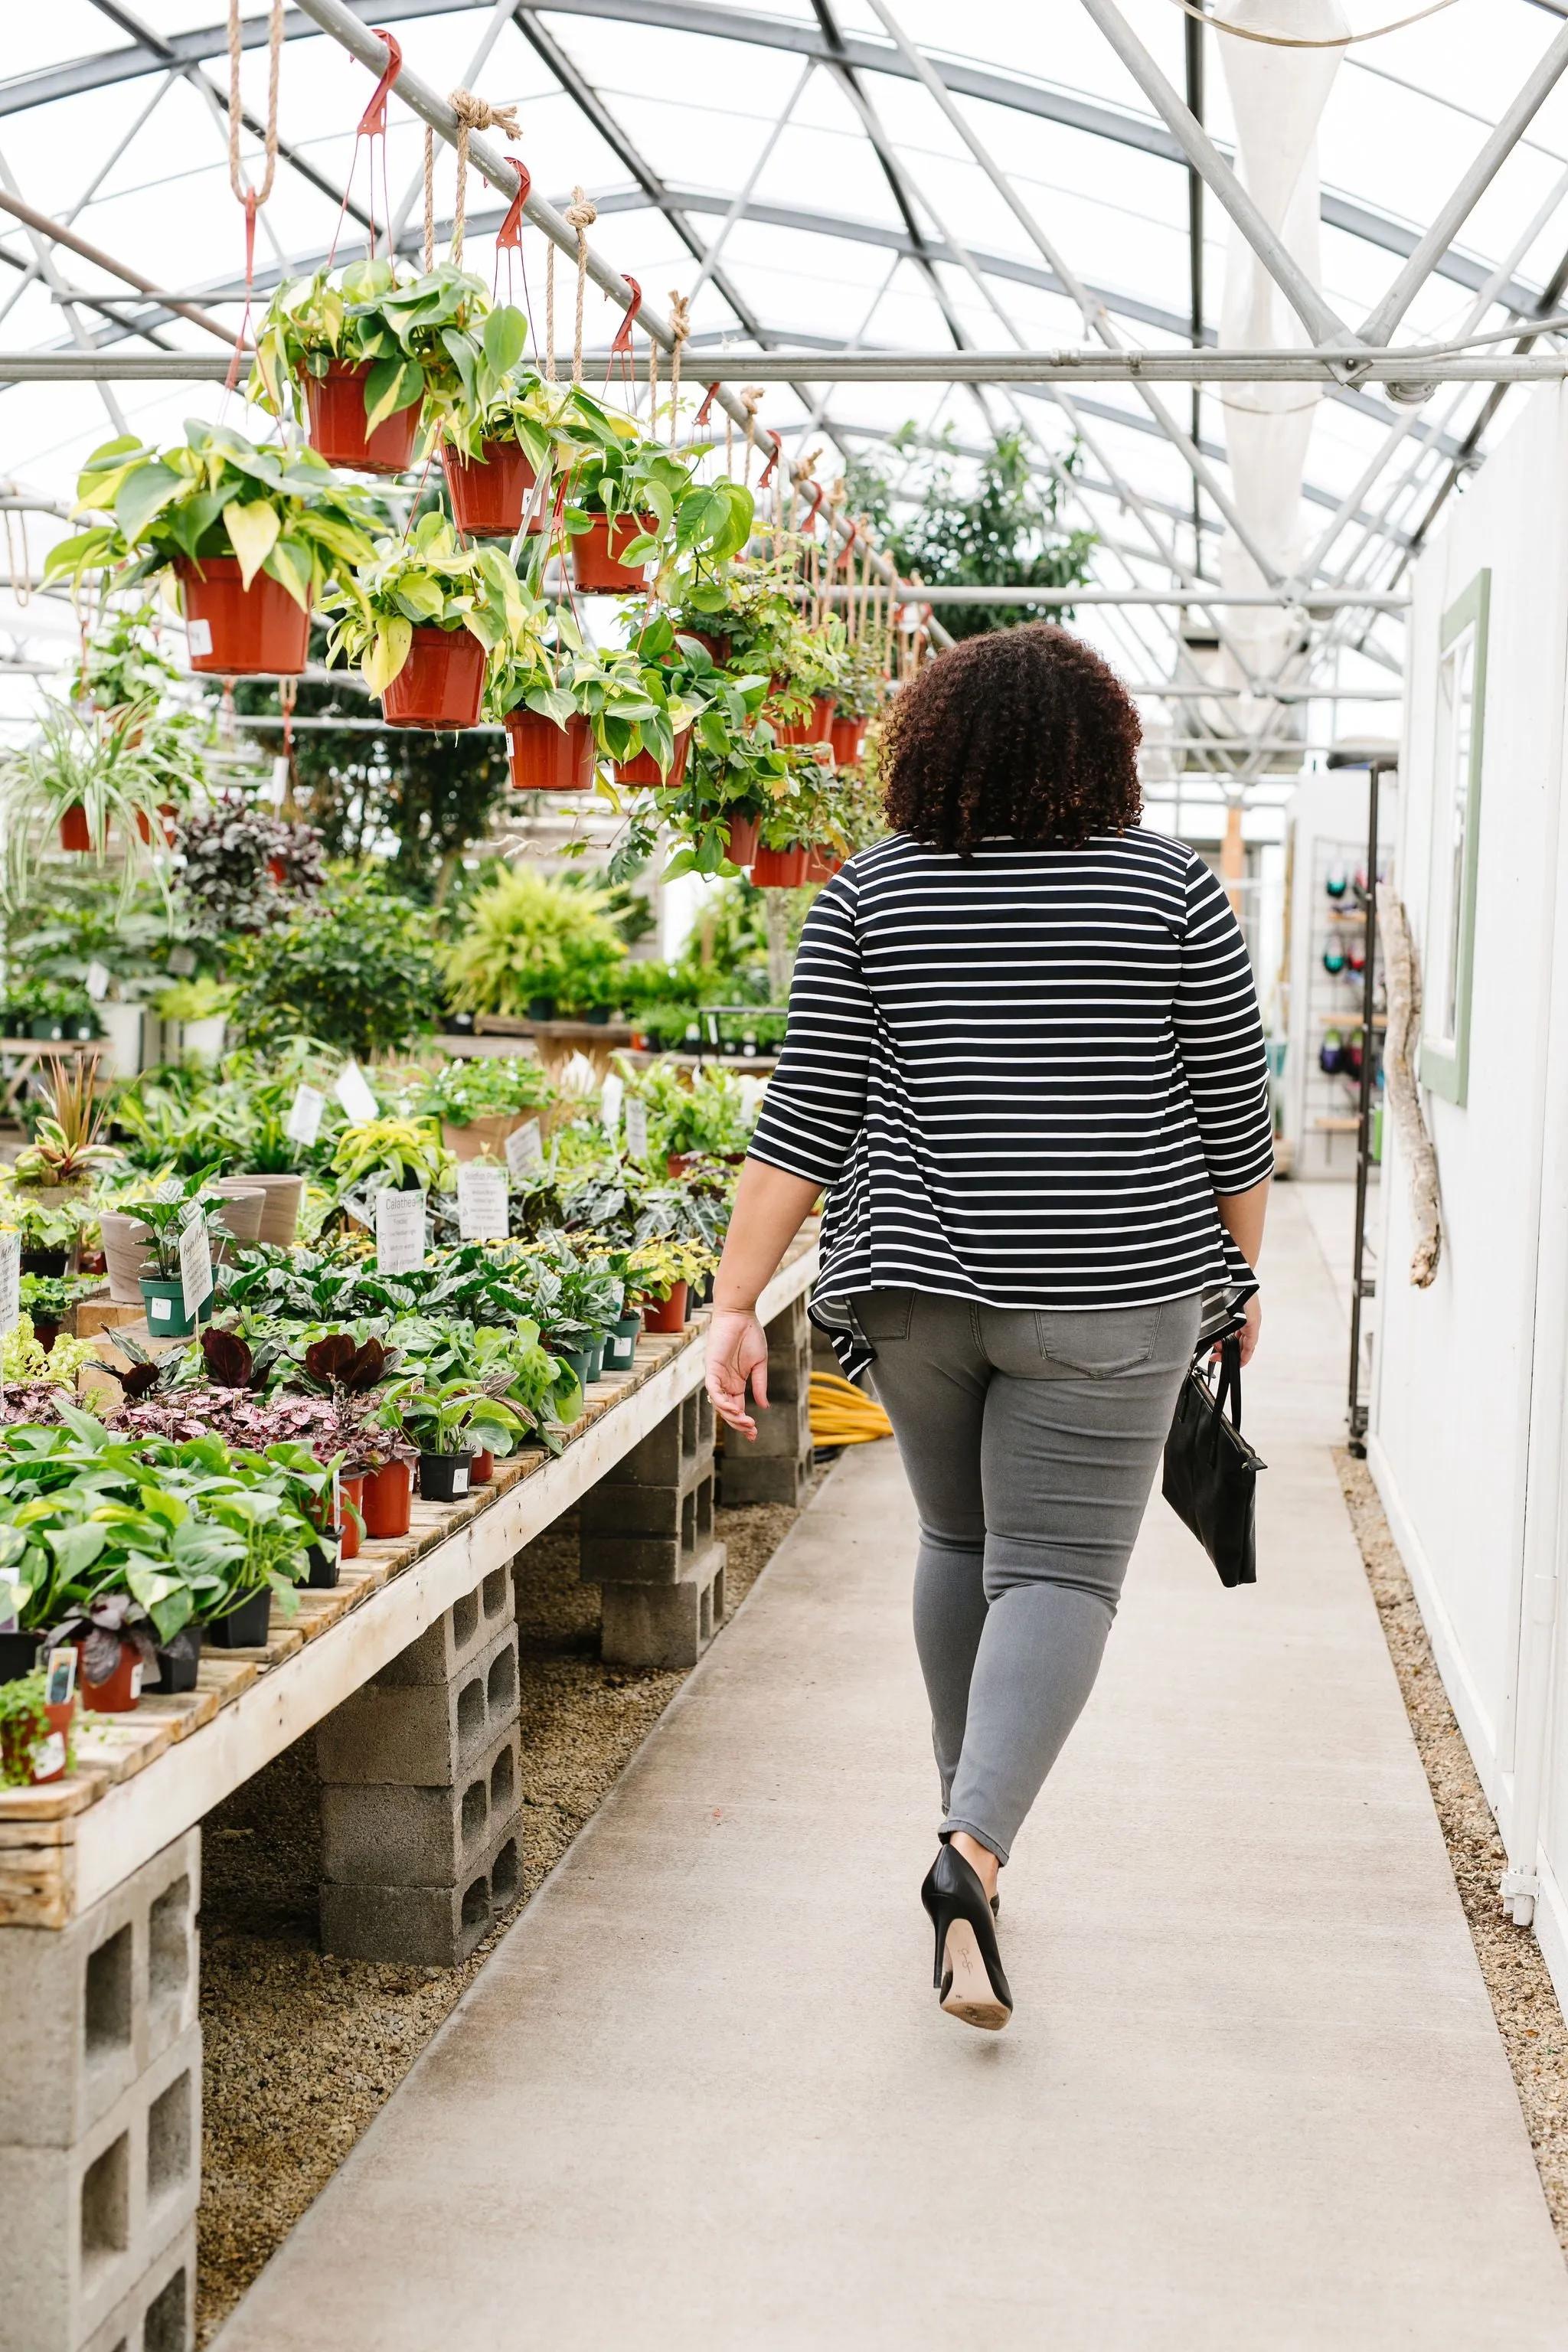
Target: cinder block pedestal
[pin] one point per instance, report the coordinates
(100, 2119)
(420, 1791)
(774, 1467)
(647, 1539)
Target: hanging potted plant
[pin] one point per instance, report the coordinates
(861, 693)
(496, 441)
(251, 534)
(804, 698)
(370, 351)
(422, 620)
(84, 780)
(549, 738)
(628, 501)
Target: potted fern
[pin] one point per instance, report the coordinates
(422, 619)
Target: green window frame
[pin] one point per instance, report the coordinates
(1458, 755)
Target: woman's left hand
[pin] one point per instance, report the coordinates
(737, 1351)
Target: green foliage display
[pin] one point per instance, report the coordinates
(429, 336)
(526, 938)
(120, 772)
(356, 971)
(428, 579)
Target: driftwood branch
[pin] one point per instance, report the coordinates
(1404, 1096)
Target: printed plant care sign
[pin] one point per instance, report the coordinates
(10, 1280)
(196, 1266)
(399, 1231)
(610, 1099)
(353, 1090)
(304, 1122)
(182, 962)
(10, 1600)
(525, 1148)
(97, 981)
(636, 1127)
(481, 1202)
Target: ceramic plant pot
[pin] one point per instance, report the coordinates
(232, 631)
(127, 1254)
(282, 1197)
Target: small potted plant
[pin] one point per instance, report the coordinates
(68, 1150)
(480, 1103)
(85, 781)
(549, 738)
(116, 1638)
(422, 620)
(35, 1735)
(163, 1291)
(450, 1422)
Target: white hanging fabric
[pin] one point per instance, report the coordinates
(1276, 97)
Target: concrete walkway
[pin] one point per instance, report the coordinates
(702, 2100)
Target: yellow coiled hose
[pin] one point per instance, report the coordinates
(842, 1414)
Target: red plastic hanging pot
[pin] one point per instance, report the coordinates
(743, 837)
(489, 493)
(645, 768)
(821, 865)
(168, 813)
(550, 758)
(717, 647)
(74, 832)
(387, 1500)
(814, 730)
(595, 555)
(335, 405)
(666, 1314)
(441, 683)
(232, 631)
(846, 737)
(780, 870)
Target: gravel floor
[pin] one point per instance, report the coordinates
(1523, 1996)
(301, 2050)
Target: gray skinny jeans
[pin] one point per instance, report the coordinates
(1030, 1440)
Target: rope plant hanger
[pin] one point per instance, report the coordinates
(1288, 41)
(251, 199)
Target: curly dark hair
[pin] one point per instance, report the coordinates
(1024, 732)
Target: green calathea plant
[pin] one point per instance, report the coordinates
(428, 579)
(430, 336)
(280, 509)
(120, 770)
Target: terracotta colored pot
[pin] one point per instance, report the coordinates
(387, 1500)
(846, 737)
(821, 865)
(55, 1744)
(74, 832)
(644, 769)
(335, 404)
(169, 814)
(282, 1197)
(481, 1467)
(485, 1138)
(666, 1314)
(237, 631)
(780, 870)
(351, 1490)
(741, 832)
(123, 1690)
(811, 729)
(717, 647)
(550, 758)
(441, 682)
(488, 498)
(595, 559)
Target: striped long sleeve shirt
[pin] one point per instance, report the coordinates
(1023, 1079)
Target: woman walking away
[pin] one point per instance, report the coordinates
(1025, 1060)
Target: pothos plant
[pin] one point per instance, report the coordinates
(430, 336)
(280, 509)
(684, 521)
(428, 581)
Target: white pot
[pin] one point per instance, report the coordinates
(121, 1057)
(280, 1216)
(204, 1039)
(128, 1253)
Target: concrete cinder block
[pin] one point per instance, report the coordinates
(424, 1735)
(456, 1638)
(432, 1927)
(750, 1478)
(377, 1835)
(87, 2008)
(658, 1540)
(784, 1427)
(85, 2225)
(673, 1452)
(665, 1624)
(159, 2314)
(618, 1511)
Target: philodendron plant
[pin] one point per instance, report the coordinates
(431, 336)
(282, 510)
(428, 581)
(459, 1416)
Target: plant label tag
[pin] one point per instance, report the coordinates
(304, 1121)
(460, 1479)
(97, 981)
(353, 1092)
(399, 1231)
(278, 787)
(610, 1099)
(195, 1265)
(199, 636)
(182, 962)
(10, 1280)
(636, 1127)
(481, 1202)
(10, 1600)
(60, 1688)
(525, 1148)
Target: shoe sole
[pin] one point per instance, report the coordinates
(966, 1992)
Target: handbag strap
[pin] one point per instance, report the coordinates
(1229, 1384)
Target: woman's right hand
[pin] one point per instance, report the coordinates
(737, 1351)
(1253, 1330)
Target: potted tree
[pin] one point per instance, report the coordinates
(250, 534)
(422, 620)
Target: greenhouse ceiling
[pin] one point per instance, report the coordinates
(967, 240)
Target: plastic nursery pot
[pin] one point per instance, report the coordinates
(541, 1008)
(45, 1331)
(717, 647)
(621, 1343)
(645, 768)
(577, 1360)
(596, 552)
(351, 1491)
(488, 498)
(49, 1763)
(441, 682)
(178, 1659)
(780, 870)
(444, 1477)
(666, 1314)
(740, 837)
(232, 631)
(245, 1628)
(335, 404)
(545, 758)
(324, 1559)
(846, 737)
(481, 1467)
(168, 814)
(167, 1317)
(595, 1355)
(813, 728)
(821, 865)
(74, 831)
(51, 1263)
(18, 1656)
(385, 1499)
(119, 1692)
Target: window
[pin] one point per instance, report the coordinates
(1457, 753)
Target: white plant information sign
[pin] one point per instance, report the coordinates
(195, 1263)
(399, 1231)
(525, 1148)
(304, 1122)
(636, 1127)
(97, 981)
(353, 1090)
(481, 1202)
(610, 1098)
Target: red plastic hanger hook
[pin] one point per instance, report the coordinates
(373, 122)
(767, 473)
(510, 230)
(702, 411)
(623, 342)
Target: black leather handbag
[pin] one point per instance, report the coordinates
(1211, 1472)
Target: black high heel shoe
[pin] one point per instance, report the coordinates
(968, 1974)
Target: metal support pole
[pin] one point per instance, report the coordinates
(1362, 1286)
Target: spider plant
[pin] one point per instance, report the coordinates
(120, 771)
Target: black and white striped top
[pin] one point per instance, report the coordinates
(1023, 1079)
